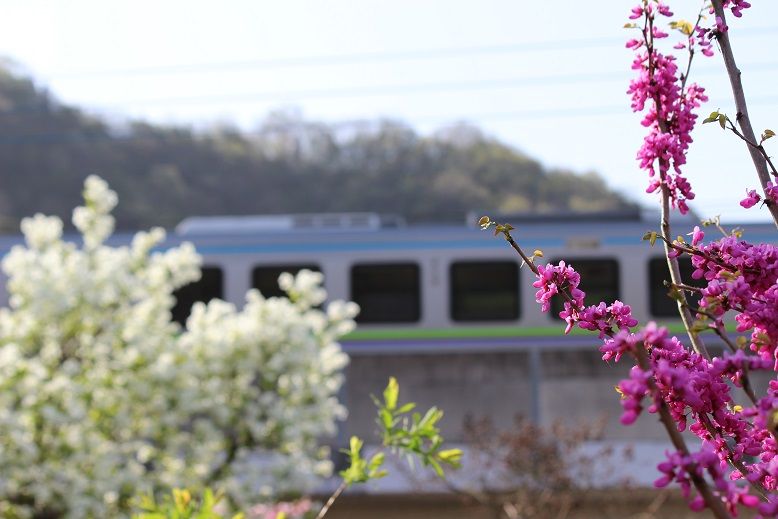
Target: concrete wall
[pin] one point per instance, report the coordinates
(569, 386)
(490, 384)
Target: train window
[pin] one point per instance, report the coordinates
(265, 277)
(484, 290)
(660, 303)
(386, 293)
(599, 279)
(209, 286)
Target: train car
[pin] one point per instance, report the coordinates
(426, 288)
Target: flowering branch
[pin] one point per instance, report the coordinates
(675, 437)
(564, 281)
(687, 387)
(671, 120)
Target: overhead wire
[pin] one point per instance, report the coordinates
(366, 57)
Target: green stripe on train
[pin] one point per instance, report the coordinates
(471, 332)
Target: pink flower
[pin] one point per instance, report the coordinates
(771, 191)
(721, 27)
(751, 199)
(697, 236)
(637, 12)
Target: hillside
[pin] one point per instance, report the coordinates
(163, 174)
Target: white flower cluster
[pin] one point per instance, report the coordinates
(102, 396)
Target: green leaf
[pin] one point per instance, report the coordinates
(391, 393)
(723, 121)
(376, 461)
(431, 417)
(683, 26)
(355, 444)
(712, 117)
(410, 406)
(387, 420)
(451, 456)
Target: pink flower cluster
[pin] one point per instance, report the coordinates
(744, 278)
(696, 391)
(669, 117)
(705, 462)
(562, 279)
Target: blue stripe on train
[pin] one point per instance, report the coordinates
(416, 245)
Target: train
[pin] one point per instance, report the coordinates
(427, 287)
(422, 287)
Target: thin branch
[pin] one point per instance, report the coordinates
(740, 104)
(758, 146)
(516, 247)
(685, 75)
(331, 500)
(675, 271)
(689, 288)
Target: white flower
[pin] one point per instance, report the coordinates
(102, 395)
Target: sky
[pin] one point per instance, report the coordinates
(547, 77)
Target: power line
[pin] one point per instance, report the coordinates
(295, 96)
(345, 59)
(366, 57)
(369, 91)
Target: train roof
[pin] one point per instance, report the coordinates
(368, 231)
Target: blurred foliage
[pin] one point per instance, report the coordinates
(180, 504)
(410, 434)
(163, 174)
(529, 471)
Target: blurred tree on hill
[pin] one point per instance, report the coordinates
(165, 173)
